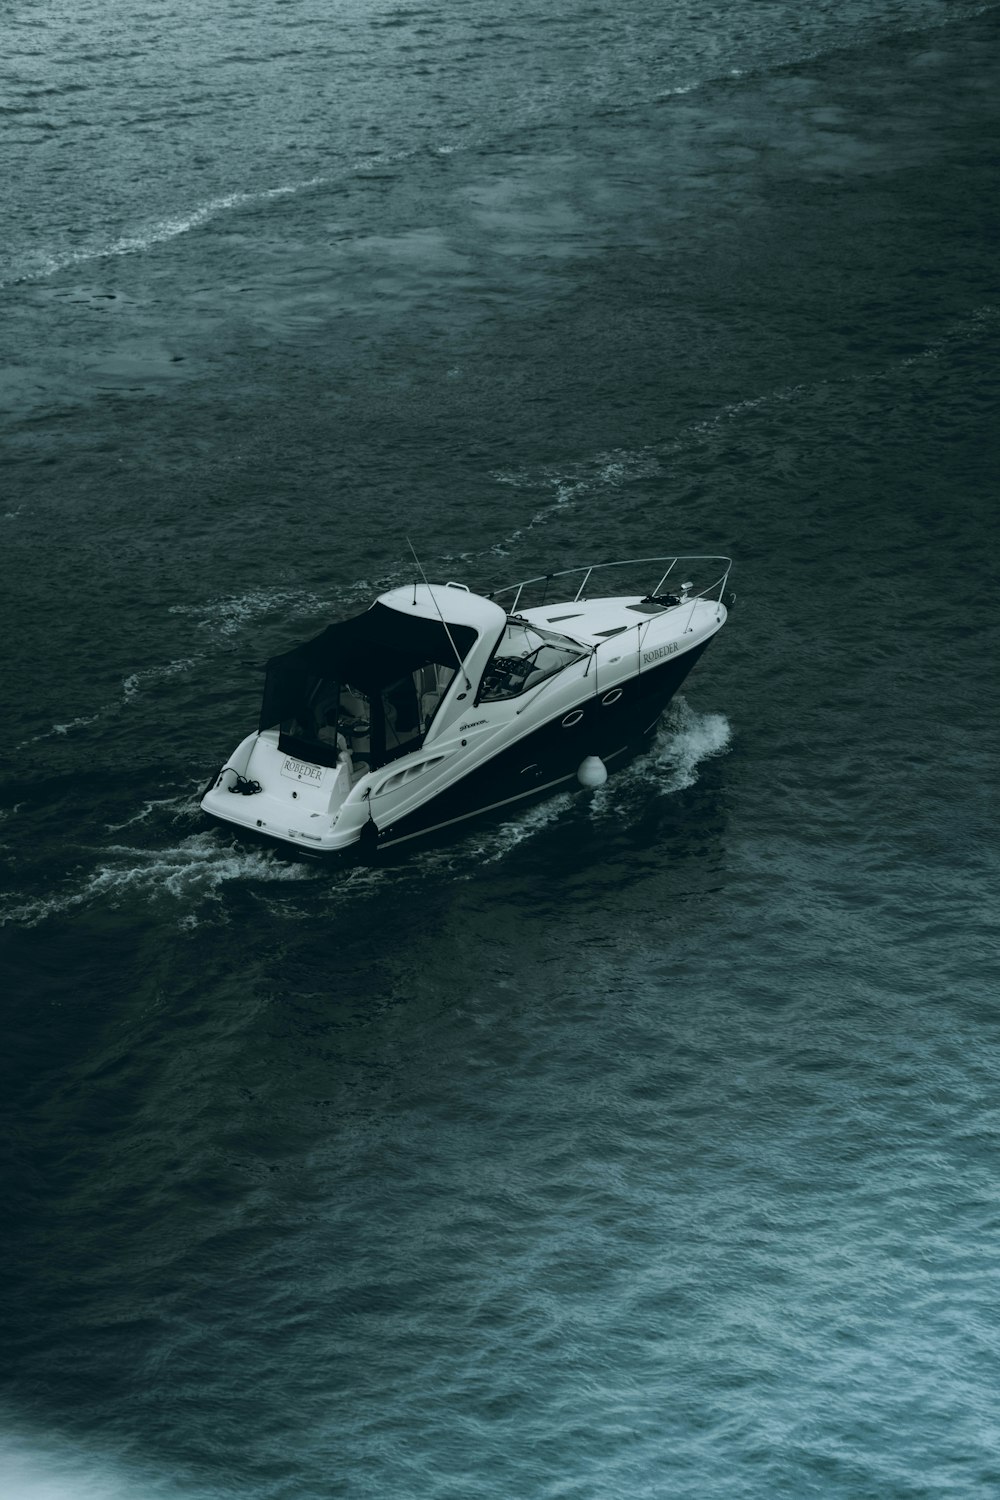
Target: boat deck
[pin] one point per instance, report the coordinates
(592, 621)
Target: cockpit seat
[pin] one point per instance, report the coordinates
(432, 681)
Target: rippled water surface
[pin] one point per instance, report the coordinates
(642, 1144)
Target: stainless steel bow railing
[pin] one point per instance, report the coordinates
(713, 590)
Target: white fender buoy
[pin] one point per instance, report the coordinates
(592, 772)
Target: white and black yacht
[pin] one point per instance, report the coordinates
(437, 704)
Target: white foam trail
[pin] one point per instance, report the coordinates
(599, 473)
(223, 617)
(581, 482)
(876, 30)
(132, 687)
(197, 865)
(228, 616)
(157, 233)
(501, 841)
(74, 724)
(572, 486)
(133, 684)
(194, 870)
(184, 805)
(462, 858)
(333, 885)
(964, 331)
(71, 724)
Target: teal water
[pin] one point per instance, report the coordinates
(640, 1145)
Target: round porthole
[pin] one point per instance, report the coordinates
(611, 697)
(573, 718)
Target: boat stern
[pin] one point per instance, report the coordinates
(264, 790)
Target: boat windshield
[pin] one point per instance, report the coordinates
(525, 656)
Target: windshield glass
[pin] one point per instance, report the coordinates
(525, 656)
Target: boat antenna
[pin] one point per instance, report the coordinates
(444, 622)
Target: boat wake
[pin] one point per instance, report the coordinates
(38, 266)
(572, 488)
(498, 843)
(187, 873)
(228, 616)
(176, 809)
(133, 687)
(135, 683)
(225, 618)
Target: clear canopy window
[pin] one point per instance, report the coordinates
(339, 716)
(525, 656)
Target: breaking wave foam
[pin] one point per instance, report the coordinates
(682, 742)
(197, 868)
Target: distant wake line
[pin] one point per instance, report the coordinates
(162, 230)
(576, 484)
(156, 233)
(39, 265)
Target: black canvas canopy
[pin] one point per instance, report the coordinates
(370, 652)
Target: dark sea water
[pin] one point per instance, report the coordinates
(645, 1144)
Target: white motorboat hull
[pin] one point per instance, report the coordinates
(481, 754)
